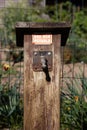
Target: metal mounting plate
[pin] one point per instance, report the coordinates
(37, 66)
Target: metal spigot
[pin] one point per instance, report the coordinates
(45, 68)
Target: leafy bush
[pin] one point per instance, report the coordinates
(81, 55)
(11, 113)
(74, 104)
(11, 105)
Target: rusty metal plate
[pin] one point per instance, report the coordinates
(37, 66)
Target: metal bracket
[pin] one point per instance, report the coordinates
(37, 55)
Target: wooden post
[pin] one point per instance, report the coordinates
(41, 98)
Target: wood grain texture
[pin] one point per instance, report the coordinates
(41, 98)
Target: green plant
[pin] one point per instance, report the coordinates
(16, 13)
(11, 104)
(11, 110)
(74, 104)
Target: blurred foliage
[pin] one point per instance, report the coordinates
(15, 56)
(63, 12)
(73, 53)
(58, 13)
(80, 24)
(79, 28)
(11, 104)
(11, 111)
(74, 104)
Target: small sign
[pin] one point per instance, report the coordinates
(45, 39)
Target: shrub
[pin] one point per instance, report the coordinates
(11, 105)
(74, 104)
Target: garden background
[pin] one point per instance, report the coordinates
(73, 78)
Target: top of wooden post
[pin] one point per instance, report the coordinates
(25, 28)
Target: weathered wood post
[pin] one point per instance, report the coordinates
(42, 60)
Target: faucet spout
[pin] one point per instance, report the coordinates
(44, 63)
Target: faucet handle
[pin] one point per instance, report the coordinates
(43, 62)
(45, 68)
